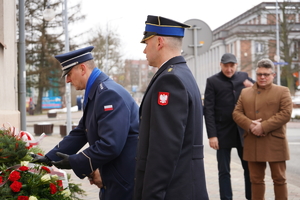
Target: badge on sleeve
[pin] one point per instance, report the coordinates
(108, 107)
(163, 98)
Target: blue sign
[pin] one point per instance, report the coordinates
(51, 102)
(281, 63)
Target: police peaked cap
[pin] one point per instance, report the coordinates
(70, 59)
(156, 25)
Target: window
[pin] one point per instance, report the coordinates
(259, 47)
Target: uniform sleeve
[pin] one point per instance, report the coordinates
(113, 123)
(167, 127)
(71, 144)
(209, 111)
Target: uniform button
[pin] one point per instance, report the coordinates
(104, 187)
(138, 137)
(135, 158)
(84, 175)
(140, 117)
(86, 130)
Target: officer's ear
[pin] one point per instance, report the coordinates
(83, 68)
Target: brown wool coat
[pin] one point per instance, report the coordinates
(274, 106)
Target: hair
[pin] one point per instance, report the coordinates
(174, 42)
(265, 63)
(91, 64)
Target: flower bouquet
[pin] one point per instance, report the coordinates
(22, 180)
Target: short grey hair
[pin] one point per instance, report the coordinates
(266, 63)
(174, 42)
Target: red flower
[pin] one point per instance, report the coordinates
(14, 176)
(46, 169)
(40, 154)
(23, 168)
(60, 184)
(1, 179)
(23, 197)
(16, 186)
(53, 188)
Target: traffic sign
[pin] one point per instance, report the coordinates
(199, 36)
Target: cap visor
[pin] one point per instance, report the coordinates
(65, 72)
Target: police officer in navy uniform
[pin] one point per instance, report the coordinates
(109, 124)
(170, 148)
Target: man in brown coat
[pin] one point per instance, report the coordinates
(263, 111)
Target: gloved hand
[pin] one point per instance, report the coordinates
(64, 163)
(40, 159)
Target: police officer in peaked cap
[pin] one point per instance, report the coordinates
(109, 125)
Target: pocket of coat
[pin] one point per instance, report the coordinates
(198, 152)
(118, 177)
(278, 135)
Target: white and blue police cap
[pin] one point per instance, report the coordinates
(73, 58)
(161, 26)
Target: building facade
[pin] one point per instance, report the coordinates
(251, 36)
(138, 74)
(8, 65)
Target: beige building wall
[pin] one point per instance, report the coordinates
(8, 65)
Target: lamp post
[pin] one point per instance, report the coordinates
(48, 16)
(22, 60)
(277, 45)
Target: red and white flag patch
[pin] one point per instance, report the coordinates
(108, 107)
(163, 98)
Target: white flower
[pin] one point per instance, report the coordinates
(54, 177)
(24, 163)
(66, 193)
(32, 198)
(46, 178)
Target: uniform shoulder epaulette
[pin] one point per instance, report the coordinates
(102, 87)
(170, 68)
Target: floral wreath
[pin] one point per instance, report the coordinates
(22, 180)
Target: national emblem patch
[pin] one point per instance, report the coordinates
(163, 98)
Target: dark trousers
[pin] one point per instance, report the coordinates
(257, 174)
(223, 158)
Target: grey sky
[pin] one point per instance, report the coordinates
(127, 17)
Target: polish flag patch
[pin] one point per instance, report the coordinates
(108, 107)
(163, 98)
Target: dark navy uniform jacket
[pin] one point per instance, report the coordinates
(221, 95)
(170, 149)
(110, 126)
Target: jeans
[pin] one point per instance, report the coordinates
(223, 158)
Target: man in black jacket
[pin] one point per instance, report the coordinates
(221, 94)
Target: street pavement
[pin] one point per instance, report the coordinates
(209, 160)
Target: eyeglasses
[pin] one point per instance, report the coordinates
(264, 74)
